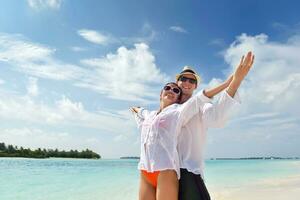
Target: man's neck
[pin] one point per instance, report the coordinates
(185, 97)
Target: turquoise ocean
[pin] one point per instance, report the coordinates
(115, 179)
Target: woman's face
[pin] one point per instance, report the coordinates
(170, 94)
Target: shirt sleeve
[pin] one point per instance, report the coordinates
(140, 116)
(216, 115)
(192, 106)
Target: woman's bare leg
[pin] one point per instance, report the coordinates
(147, 191)
(167, 185)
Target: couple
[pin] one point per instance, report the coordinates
(173, 138)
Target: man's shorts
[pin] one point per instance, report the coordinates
(192, 187)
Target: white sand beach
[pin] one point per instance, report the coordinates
(275, 189)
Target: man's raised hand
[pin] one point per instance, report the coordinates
(240, 73)
(244, 67)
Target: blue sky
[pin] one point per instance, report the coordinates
(69, 70)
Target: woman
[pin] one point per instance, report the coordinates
(159, 162)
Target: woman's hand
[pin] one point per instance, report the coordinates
(134, 109)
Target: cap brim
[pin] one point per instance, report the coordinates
(196, 76)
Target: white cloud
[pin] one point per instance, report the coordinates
(259, 116)
(147, 34)
(77, 49)
(269, 115)
(275, 76)
(43, 138)
(66, 124)
(119, 138)
(44, 4)
(2, 82)
(32, 87)
(18, 136)
(35, 59)
(274, 122)
(31, 137)
(14, 107)
(130, 74)
(16, 48)
(178, 29)
(95, 36)
(217, 42)
(92, 140)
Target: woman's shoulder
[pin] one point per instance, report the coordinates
(174, 107)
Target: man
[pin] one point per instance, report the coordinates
(192, 138)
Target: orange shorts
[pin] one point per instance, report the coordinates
(151, 177)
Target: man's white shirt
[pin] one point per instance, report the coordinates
(192, 136)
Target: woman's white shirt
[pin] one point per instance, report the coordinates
(159, 133)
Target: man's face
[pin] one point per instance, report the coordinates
(186, 86)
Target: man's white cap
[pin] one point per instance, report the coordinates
(189, 70)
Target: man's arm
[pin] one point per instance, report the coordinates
(210, 93)
(216, 115)
(240, 73)
(234, 80)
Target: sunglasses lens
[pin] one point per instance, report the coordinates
(183, 79)
(176, 90)
(167, 87)
(191, 80)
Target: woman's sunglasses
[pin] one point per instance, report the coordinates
(175, 90)
(184, 79)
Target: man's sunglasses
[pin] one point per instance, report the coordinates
(175, 90)
(184, 79)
